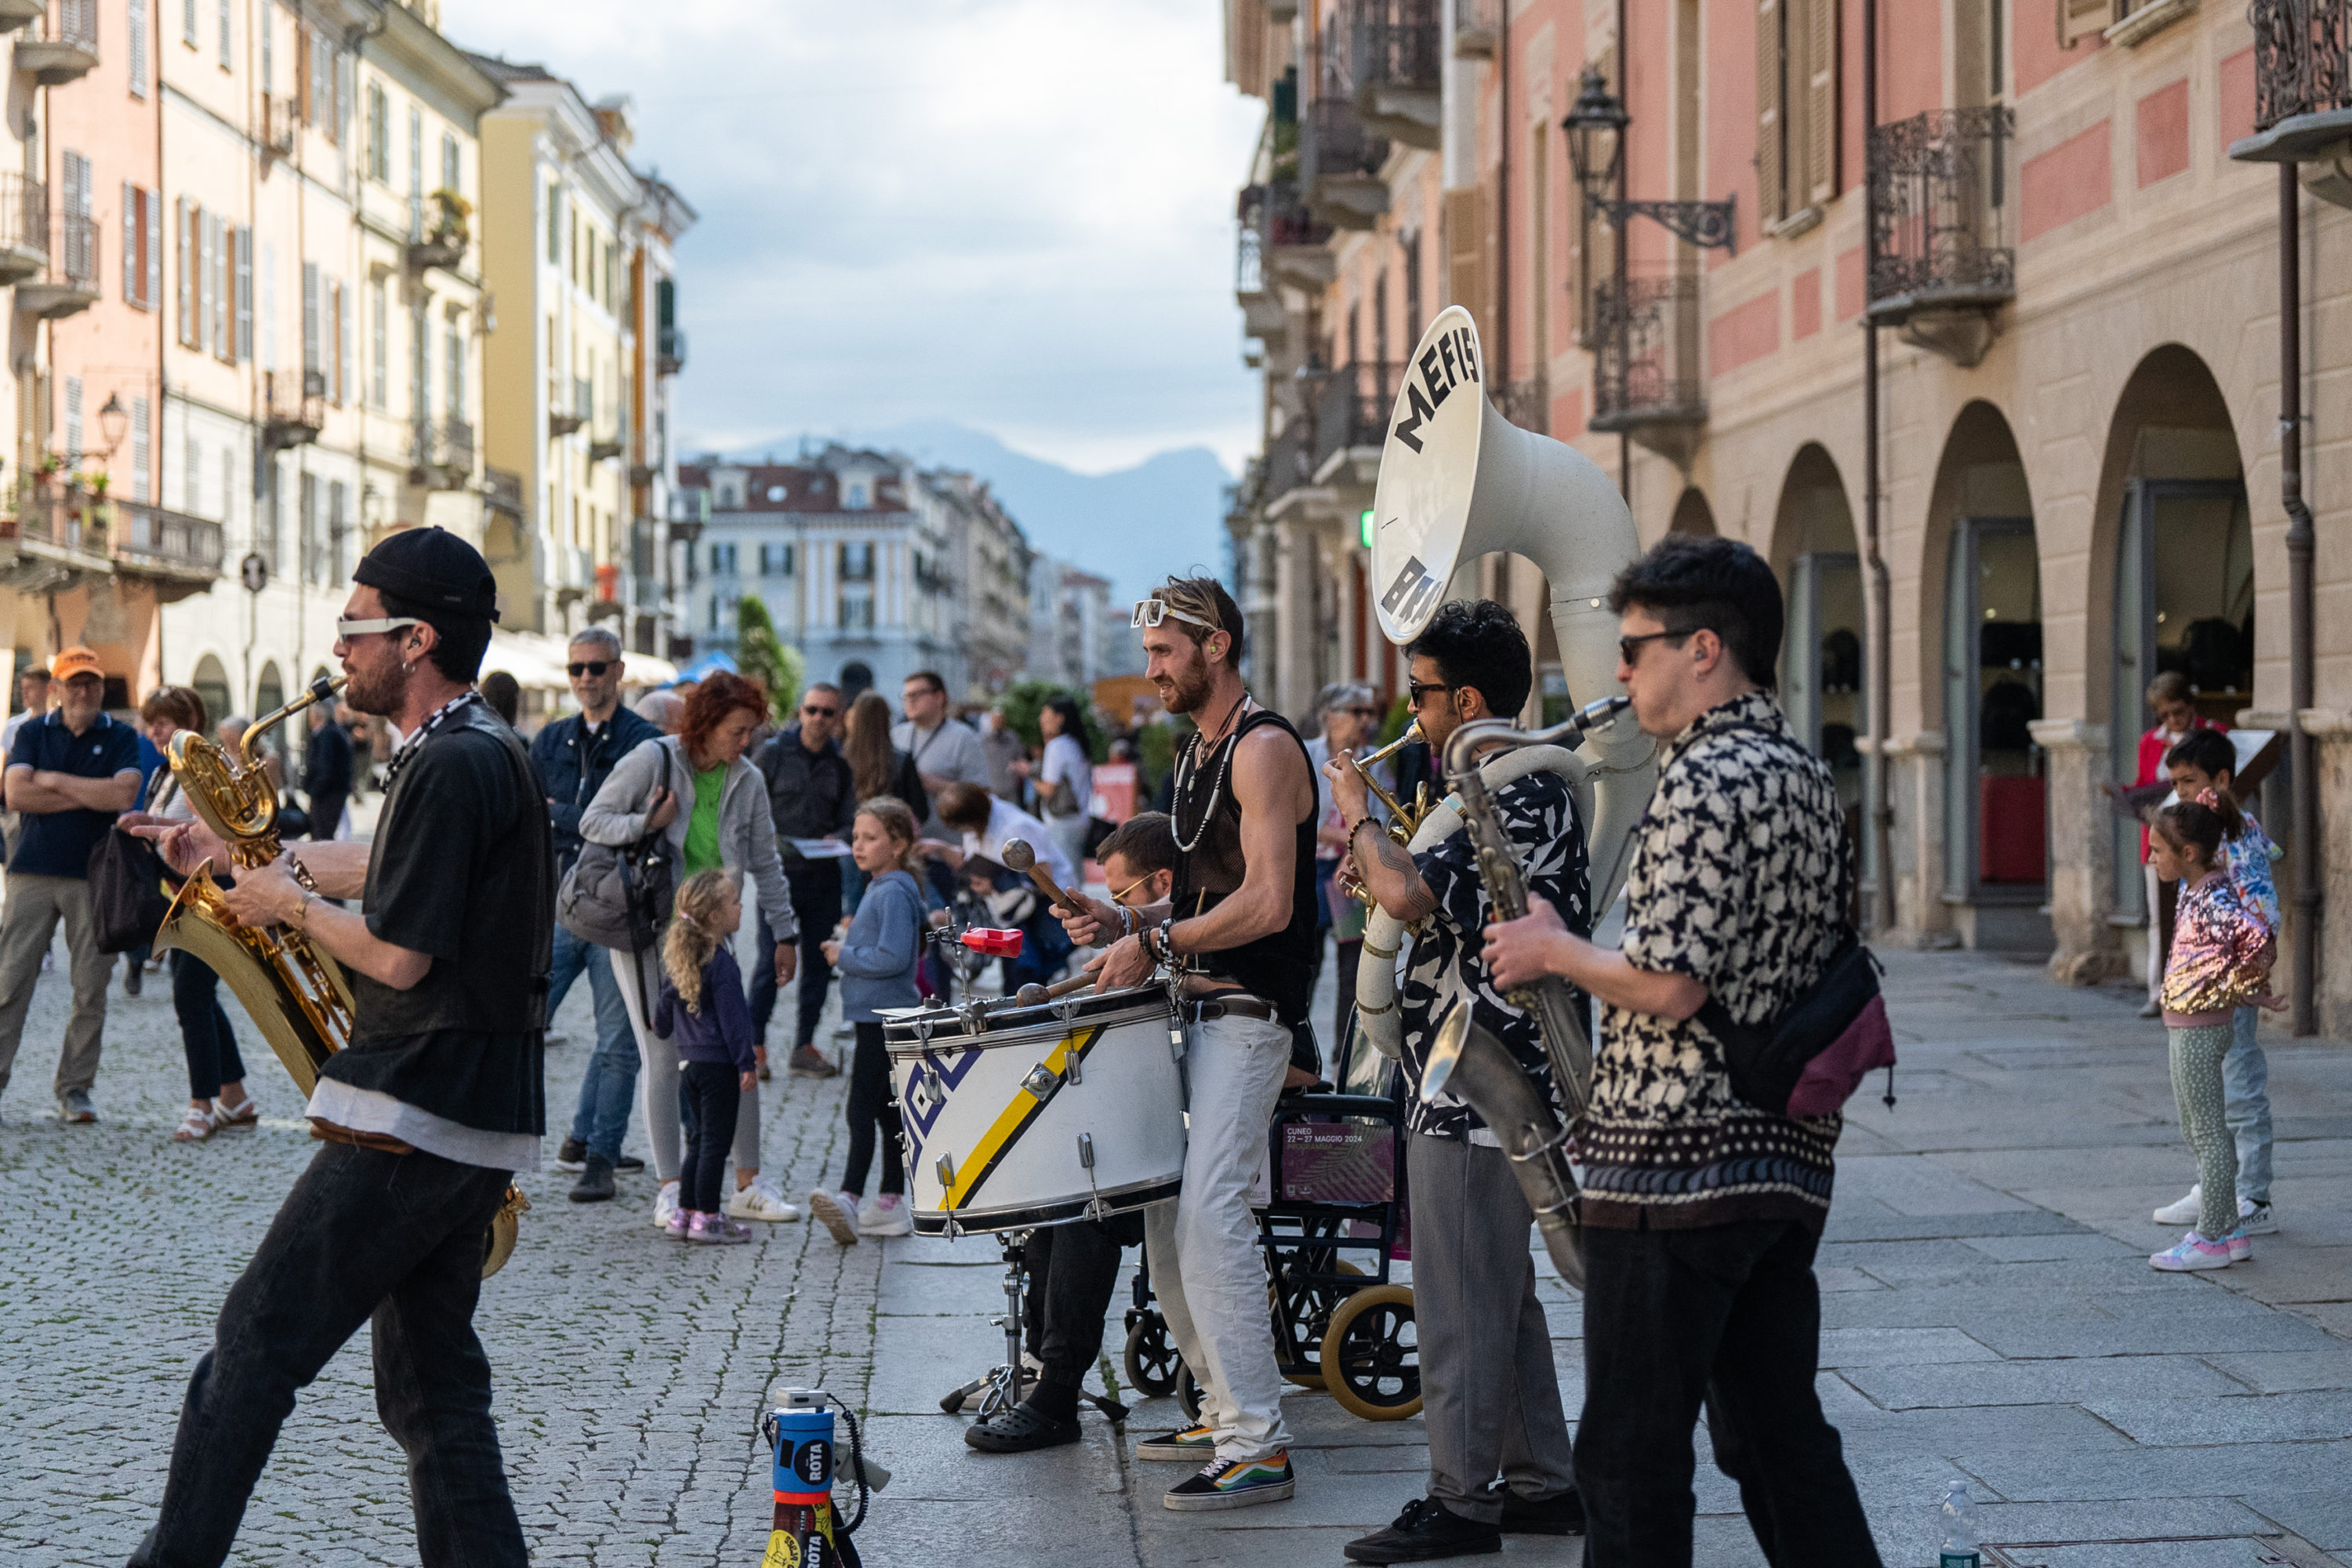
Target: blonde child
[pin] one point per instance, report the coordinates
(876, 960)
(2220, 960)
(702, 1007)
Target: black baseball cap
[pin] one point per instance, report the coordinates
(433, 567)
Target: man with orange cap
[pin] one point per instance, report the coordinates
(71, 772)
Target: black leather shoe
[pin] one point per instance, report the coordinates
(1021, 1430)
(596, 1183)
(628, 1164)
(1424, 1532)
(571, 1155)
(1559, 1514)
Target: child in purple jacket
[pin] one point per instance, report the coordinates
(702, 1007)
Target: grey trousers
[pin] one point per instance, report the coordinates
(1490, 1393)
(36, 905)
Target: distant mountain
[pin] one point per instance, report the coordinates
(1134, 526)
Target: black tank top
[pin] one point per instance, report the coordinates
(1279, 968)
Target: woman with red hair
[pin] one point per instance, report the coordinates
(696, 789)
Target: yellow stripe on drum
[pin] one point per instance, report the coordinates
(1002, 1134)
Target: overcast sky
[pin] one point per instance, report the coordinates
(1015, 214)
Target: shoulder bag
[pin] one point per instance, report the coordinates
(618, 896)
(1809, 1059)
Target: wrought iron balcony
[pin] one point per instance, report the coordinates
(1340, 165)
(1941, 262)
(176, 554)
(66, 54)
(604, 448)
(15, 14)
(1289, 461)
(294, 408)
(1393, 48)
(568, 413)
(441, 457)
(24, 228)
(1292, 244)
(1645, 369)
(1527, 403)
(669, 354)
(278, 121)
(1351, 411)
(68, 284)
(2302, 84)
(502, 492)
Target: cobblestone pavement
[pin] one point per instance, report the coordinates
(1989, 1314)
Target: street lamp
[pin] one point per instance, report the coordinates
(1596, 146)
(113, 419)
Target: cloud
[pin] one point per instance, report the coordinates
(1014, 214)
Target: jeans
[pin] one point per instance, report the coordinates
(1073, 1274)
(2246, 1094)
(872, 1109)
(36, 905)
(816, 905)
(1202, 1244)
(363, 1236)
(1490, 1389)
(204, 1032)
(715, 1096)
(1729, 1316)
(602, 1119)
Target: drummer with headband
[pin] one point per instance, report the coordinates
(1241, 923)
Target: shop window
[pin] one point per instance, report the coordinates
(1996, 799)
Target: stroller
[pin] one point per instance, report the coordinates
(1335, 1185)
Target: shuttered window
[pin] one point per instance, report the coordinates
(185, 247)
(154, 296)
(242, 348)
(1468, 274)
(1797, 106)
(134, 266)
(142, 448)
(310, 365)
(2078, 19)
(137, 31)
(344, 379)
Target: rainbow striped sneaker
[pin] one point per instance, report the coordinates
(1185, 1446)
(1236, 1483)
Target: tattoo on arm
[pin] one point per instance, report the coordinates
(1415, 901)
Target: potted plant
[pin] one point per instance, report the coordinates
(452, 212)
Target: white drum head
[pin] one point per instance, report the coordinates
(1428, 466)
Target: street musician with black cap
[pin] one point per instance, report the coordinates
(428, 1112)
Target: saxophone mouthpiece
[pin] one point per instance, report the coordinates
(1602, 711)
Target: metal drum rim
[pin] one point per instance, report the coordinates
(1119, 1007)
(1031, 1216)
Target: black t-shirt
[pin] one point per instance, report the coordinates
(462, 871)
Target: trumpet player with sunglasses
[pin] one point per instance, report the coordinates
(427, 1110)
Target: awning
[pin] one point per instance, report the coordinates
(535, 662)
(647, 670)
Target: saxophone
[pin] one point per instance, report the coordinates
(295, 992)
(1475, 1064)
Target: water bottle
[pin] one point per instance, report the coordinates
(1960, 1550)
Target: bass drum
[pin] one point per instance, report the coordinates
(1071, 1109)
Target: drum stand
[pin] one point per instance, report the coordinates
(1006, 1385)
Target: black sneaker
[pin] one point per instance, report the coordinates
(572, 1156)
(133, 978)
(1236, 1483)
(1559, 1514)
(1425, 1531)
(596, 1183)
(628, 1164)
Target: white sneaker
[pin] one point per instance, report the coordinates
(837, 1211)
(885, 1216)
(761, 1201)
(2256, 1219)
(664, 1205)
(2182, 1213)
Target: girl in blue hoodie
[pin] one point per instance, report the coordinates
(876, 960)
(701, 1008)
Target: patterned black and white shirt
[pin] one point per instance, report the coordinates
(1538, 818)
(1740, 878)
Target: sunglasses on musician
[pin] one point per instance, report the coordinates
(1150, 612)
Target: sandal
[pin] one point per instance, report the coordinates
(245, 1115)
(195, 1127)
(1023, 1429)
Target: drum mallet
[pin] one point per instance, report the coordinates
(1019, 857)
(1035, 996)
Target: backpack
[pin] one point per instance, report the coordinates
(618, 896)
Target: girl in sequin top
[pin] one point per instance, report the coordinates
(2203, 768)
(2222, 955)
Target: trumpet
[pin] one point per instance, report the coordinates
(1402, 822)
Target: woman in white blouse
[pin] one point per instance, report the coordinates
(1066, 778)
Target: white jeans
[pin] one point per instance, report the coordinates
(1206, 1265)
(657, 1077)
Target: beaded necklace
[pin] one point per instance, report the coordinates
(1185, 770)
(415, 743)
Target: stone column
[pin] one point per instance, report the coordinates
(2331, 733)
(1294, 585)
(1914, 786)
(2081, 853)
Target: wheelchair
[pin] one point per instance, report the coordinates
(1335, 1191)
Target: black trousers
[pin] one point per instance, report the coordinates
(714, 1097)
(1073, 1274)
(392, 1240)
(1727, 1316)
(816, 906)
(326, 811)
(204, 1032)
(872, 1108)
